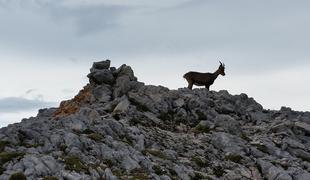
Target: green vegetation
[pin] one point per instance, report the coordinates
(199, 176)
(138, 174)
(108, 162)
(201, 129)
(154, 152)
(201, 115)
(218, 171)
(8, 156)
(166, 115)
(95, 136)
(135, 174)
(18, 176)
(157, 169)
(3, 144)
(134, 121)
(88, 131)
(201, 162)
(261, 147)
(73, 163)
(245, 137)
(63, 147)
(234, 158)
(127, 140)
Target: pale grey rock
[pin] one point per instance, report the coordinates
(109, 175)
(304, 176)
(73, 176)
(129, 164)
(121, 107)
(102, 93)
(229, 124)
(72, 140)
(179, 102)
(182, 172)
(293, 143)
(272, 172)
(228, 143)
(165, 177)
(304, 126)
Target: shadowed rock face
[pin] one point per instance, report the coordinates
(119, 128)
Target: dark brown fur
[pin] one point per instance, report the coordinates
(203, 79)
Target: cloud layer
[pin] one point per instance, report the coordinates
(19, 104)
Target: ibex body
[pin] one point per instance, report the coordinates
(203, 79)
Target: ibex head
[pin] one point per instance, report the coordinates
(222, 69)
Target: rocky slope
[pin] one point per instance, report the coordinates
(119, 128)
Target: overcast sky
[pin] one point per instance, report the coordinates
(48, 46)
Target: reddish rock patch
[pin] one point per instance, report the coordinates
(72, 106)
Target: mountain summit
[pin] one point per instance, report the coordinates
(119, 128)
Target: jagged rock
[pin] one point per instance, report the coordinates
(72, 140)
(228, 143)
(102, 64)
(119, 128)
(129, 164)
(121, 107)
(304, 126)
(304, 176)
(109, 175)
(229, 124)
(179, 102)
(102, 93)
(272, 172)
(182, 172)
(102, 76)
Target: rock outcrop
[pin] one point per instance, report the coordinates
(119, 128)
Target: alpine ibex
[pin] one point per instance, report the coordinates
(203, 79)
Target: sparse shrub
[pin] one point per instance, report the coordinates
(63, 147)
(218, 171)
(234, 158)
(18, 176)
(201, 115)
(201, 129)
(154, 152)
(108, 162)
(198, 176)
(95, 136)
(73, 163)
(50, 178)
(3, 144)
(245, 137)
(8, 156)
(261, 147)
(139, 174)
(157, 169)
(88, 131)
(199, 161)
(169, 115)
(134, 121)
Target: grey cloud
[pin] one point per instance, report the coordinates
(18, 104)
(249, 35)
(87, 19)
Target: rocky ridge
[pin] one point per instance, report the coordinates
(119, 128)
